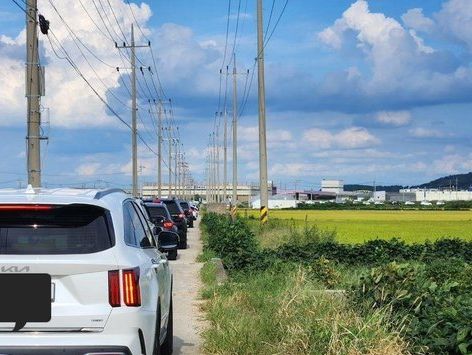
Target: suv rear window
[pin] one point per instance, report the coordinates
(54, 229)
(185, 205)
(173, 207)
(156, 211)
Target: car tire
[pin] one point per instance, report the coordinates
(183, 245)
(190, 224)
(172, 255)
(167, 346)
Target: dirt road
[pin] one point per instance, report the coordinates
(187, 316)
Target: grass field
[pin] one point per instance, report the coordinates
(359, 226)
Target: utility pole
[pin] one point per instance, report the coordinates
(33, 96)
(218, 181)
(176, 154)
(234, 199)
(159, 150)
(264, 211)
(225, 158)
(134, 109)
(133, 117)
(170, 167)
(209, 170)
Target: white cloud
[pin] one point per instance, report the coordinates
(354, 137)
(415, 19)
(452, 164)
(393, 118)
(71, 101)
(251, 134)
(455, 19)
(88, 169)
(182, 62)
(402, 69)
(422, 132)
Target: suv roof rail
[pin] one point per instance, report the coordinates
(101, 194)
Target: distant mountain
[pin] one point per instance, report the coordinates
(464, 182)
(355, 187)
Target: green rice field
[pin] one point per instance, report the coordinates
(359, 226)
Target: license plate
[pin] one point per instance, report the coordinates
(25, 298)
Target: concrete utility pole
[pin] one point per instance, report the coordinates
(218, 181)
(234, 199)
(225, 158)
(134, 109)
(264, 211)
(159, 150)
(170, 167)
(134, 145)
(33, 95)
(176, 155)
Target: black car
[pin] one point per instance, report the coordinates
(178, 217)
(161, 218)
(188, 213)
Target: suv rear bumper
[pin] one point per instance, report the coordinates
(64, 350)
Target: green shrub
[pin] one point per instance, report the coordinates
(433, 312)
(232, 241)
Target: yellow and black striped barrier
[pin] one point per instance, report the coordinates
(264, 215)
(234, 212)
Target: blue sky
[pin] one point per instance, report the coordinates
(357, 90)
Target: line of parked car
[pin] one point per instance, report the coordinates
(102, 258)
(173, 215)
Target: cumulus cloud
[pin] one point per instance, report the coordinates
(415, 19)
(178, 54)
(403, 70)
(71, 101)
(455, 19)
(354, 137)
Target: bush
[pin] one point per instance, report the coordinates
(433, 311)
(232, 241)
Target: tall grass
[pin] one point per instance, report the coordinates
(283, 311)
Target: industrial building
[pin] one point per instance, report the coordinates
(244, 191)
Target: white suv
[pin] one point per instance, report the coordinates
(111, 288)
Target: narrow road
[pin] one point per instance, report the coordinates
(188, 321)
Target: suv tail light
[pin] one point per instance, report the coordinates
(168, 224)
(25, 207)
(114, 288)
(131, 290)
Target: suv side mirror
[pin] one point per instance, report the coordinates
(168, 240)
(156, 230)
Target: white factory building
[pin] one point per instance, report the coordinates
(439, 195)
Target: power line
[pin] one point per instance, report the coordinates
(227, 34)
(116, 20)
(270, 19)
(276, 24)
(77, 70)
(93, 21)
(237, 27)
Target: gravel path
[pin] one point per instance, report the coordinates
(188, 320)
